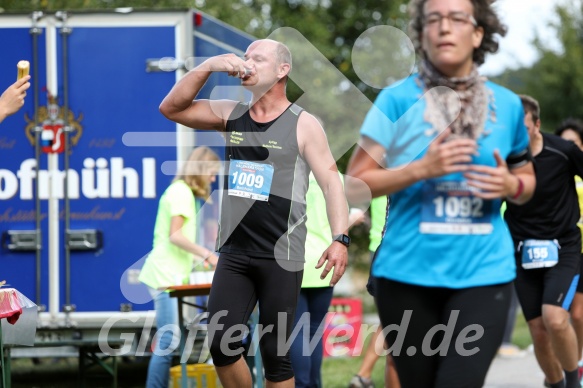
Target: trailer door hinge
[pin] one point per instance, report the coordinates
(21, 240)
(84, 239)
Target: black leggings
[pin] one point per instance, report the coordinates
(477, 314)
(239, 283)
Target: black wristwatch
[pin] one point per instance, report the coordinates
(342, 239)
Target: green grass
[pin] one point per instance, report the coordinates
(521, 335)
(337, 371)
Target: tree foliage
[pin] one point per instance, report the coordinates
(332, 26)
(556, 79)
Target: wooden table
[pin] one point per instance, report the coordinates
(182, 291)
(189, 290)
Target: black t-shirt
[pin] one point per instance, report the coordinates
(553, 211)
(251, 225)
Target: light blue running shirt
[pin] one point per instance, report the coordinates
(438, 234)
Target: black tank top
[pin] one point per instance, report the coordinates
(258, 219)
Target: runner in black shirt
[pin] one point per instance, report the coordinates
(271, 147)
(548, 245)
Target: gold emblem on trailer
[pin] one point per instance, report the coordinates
(52, 119)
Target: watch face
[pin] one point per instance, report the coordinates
(342, 238)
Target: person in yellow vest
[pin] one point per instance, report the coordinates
(572, 129)
(171, 259)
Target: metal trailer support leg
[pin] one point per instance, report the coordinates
(88, 357)
(7, 364)
(82, 368)
(2, 362)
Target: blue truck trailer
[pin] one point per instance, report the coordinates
(84, 162)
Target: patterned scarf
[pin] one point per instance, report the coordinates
(476, 100)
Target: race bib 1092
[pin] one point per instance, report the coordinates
(450, 208)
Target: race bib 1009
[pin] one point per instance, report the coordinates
(250, 180)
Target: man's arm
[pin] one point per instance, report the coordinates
(314, 148)
(180, 105)
(13, 97)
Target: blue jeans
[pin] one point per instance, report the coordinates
(166, 341)
(306, 362)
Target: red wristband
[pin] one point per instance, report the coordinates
(520, 189)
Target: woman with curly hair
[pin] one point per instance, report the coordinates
(447, 146)
(171, 259)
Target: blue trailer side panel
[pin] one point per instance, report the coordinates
(109, 86)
